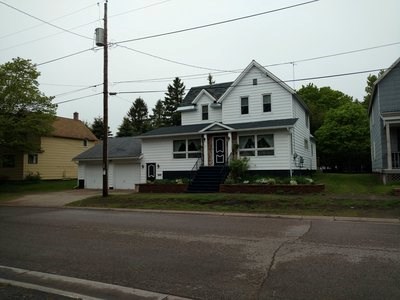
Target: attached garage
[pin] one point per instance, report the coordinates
(123, 167)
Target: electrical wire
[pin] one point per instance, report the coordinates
(41, 20)
(79, 98)
(77, 90)
(52, 20)
(216, 23)
(279, 81)
(65, 56)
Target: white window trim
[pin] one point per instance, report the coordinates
(186, 152)
(256, 149)
(248, 105)
(262, 102)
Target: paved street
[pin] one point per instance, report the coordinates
(205, 256)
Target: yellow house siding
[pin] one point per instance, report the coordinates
(55, 162)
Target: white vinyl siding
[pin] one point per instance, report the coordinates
(159, 151)
(195, 116)
(231, 105)
(281, 158)
(301, 138)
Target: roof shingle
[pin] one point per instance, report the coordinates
(71, 128)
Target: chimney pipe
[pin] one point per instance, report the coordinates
(76, 116)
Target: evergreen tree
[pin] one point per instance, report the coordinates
(210, 79)
(125, 129)
(173, 98)
(157, 118)
(97, 128)
(138, 116)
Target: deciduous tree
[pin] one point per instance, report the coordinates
(25, 112)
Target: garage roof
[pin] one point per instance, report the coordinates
(118, 148)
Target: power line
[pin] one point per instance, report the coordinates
(280, 81)
(269, 65)
(65, 56)
(139, 8)
(170, 60)
(79, 98)
(77, 90)
(215, 23)
(38, 25)
(41, 20)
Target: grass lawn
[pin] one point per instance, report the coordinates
(12, 190)
(346, 195)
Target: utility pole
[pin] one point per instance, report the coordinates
(105, 106)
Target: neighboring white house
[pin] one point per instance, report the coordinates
(257, 116)
(384, 114)
(124, 155)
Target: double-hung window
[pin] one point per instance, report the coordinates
(204, 112)
(32, 159)
(244, 105)
(188, 148)
(256, 145)
(267, 103)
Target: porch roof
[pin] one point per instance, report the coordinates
(198, 128)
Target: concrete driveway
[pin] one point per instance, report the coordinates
(52, 199)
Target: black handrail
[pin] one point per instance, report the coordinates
(197, 165)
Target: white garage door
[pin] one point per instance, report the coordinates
(126, 176)
(93, 176)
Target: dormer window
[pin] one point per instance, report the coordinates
(204, 112)
(255, 81)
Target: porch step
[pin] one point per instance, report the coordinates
(208, 179)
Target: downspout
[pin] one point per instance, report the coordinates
(290, 151)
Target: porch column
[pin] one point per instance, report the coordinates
(389, 147)
(229, 143)
(205, 150)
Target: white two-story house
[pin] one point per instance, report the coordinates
(257, 116)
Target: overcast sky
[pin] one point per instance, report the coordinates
(320, 28)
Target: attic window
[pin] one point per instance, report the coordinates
(85, 143)
(255, 81)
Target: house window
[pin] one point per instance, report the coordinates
(85, 143)
(247, 145)
(8, 161)
(263, 147)
(204, 112)
(194, 148)
(265, 144)
(32, 159)
(255, 81)
(244, 104)
(266, 103)
(306, 144)
(187, 148)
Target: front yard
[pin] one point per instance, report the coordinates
(345, 195)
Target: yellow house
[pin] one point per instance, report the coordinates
(69, 138)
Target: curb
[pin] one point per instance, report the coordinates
(247, 215)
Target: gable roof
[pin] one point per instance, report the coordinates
(72, 129)
(380, 78)
(262, 70)
(215, 90)
(202, 128)
(118, 148)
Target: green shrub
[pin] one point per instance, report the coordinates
(238, 168)
(33, 177)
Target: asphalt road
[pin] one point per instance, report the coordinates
(205, 256)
